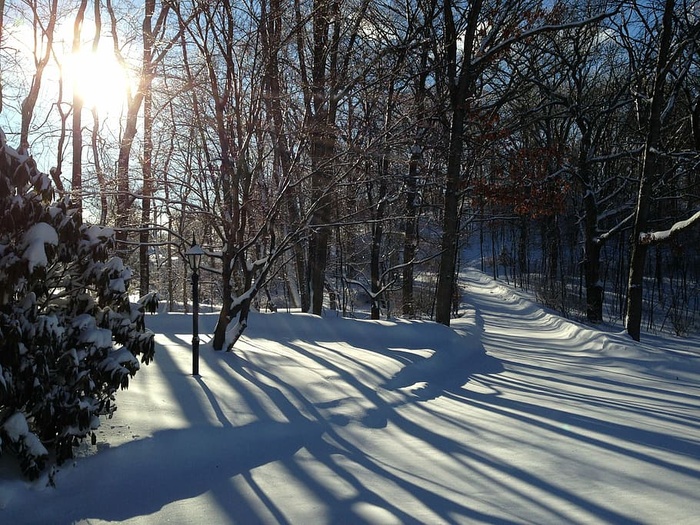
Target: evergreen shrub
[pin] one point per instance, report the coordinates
(69, 336)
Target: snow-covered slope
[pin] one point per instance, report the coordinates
(513, 415)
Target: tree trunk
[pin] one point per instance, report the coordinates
(318, 252)
(124, 198)
(77, 164)
(650, 169)
(591, 262)
(450, 226)
(321, 152)
(410, 243)
(461, 87)
(375, 251)
(2, 21)
(148, 183)
(380, 210)
(522, 251)
(102, 183)
(271, 27)
(322, 145)
(230, 184)
(29, 103)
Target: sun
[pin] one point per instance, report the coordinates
(99, 79)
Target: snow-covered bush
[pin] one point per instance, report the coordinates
(69, 336)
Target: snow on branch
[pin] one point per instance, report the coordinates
(605, 236)
(661, 236)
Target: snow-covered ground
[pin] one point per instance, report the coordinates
(513, 415)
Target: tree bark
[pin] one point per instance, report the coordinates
(29, 103)
(77, 164)
(2, 21)
(410, 243)
(650, 170)
(104, 203)
(322, 137)
(461, 86)
(450, 226)
(592, 242)
(271, 28)
(148, 183)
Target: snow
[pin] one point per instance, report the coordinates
(95, 233)
(90, 334)
(258, 263)
(16, 426)
(17, 430)
(34, 241)
(660, 236)
(34, 445)
(98, 337)
(117, 285)
(512, 415)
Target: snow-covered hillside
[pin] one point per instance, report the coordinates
(513, 415)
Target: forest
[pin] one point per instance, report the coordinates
(349, 154)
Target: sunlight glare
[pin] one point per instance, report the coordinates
(100, 80)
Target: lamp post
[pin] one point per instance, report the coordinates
(194, 258)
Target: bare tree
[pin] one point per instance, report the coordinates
(2, 22)
(472, 37)
(150, 33)
(147, 162)
(278, 103)
(229, 163)
(668, 64)
(325, 77)
(586, 81)
(77, 164)
(43, 47)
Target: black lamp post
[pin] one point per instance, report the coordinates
(194, 258)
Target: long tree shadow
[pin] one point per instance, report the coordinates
(446, 372)
(332, 445)
(173, 465)
(447, 509)
(365, 390)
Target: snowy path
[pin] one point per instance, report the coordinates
(512, 416)
(604, 430)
